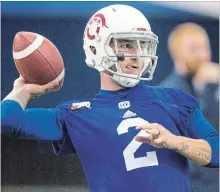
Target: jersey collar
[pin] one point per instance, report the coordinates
(120, 93)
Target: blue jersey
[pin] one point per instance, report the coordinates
(103, 137)
(103, 133)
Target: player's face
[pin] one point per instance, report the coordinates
(195, 51)
(130, 65)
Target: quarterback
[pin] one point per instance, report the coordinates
(130, 137)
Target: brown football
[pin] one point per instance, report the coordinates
(37, 59)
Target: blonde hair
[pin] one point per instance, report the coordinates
(179, 31)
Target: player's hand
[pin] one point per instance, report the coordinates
(207, 73)
(33, 89)
(157, 136)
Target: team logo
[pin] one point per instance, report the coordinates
(94, 26)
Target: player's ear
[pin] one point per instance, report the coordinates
(111, 43)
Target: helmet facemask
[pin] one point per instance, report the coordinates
(139, 48)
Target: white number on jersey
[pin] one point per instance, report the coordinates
(131, 162)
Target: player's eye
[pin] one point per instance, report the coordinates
(126, 46)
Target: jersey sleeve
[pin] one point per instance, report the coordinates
(199, 128)
(34, 123)
(185, 105)
(64, 146)
(37, 124)
(196, 126)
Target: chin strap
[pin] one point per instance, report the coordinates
(125, 81)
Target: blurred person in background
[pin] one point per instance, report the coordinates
(195, 73)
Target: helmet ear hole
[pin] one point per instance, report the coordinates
(93, 49)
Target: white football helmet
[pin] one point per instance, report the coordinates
(110, 25)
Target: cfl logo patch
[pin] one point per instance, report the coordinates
(85, 104)
(124, 104)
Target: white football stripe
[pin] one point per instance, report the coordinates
(30, 49)
(60, 77)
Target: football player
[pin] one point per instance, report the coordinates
(131, 137)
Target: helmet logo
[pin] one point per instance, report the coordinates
(94, 25)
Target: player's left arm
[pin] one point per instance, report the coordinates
(204, 149)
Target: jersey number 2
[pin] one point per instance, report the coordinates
(131, 162)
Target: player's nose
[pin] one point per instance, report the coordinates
(136, 51)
